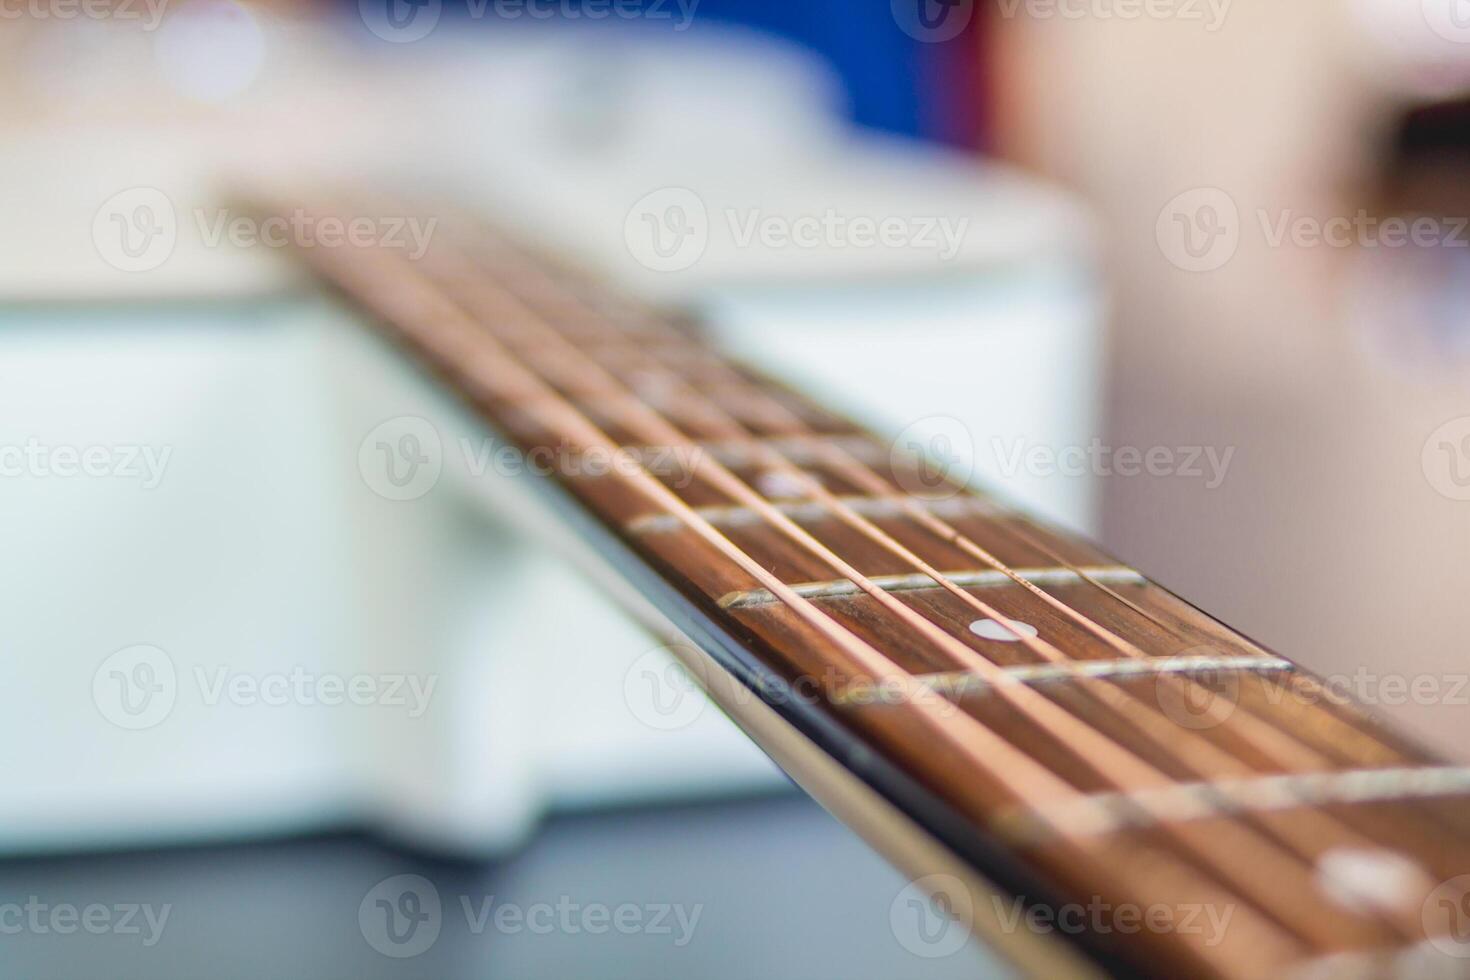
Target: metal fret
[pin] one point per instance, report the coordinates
(813, 511)
(1423, 960)
(1061, 770)
(800, 450)
(960, 683)
(1112, 812)
(973, 579)
(803, 450)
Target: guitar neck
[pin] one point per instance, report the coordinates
(1075, 760)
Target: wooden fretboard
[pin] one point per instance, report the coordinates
(1080, 735)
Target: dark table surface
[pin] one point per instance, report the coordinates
(756, 888)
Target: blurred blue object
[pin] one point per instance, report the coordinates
(894, 82)
(881, 66)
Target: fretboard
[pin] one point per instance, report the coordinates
(1077, 734)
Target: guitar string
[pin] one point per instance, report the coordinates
(643, 407)
(538, 395)
(575, 283)
(1265, 738)
(863, 475)
(496, 371)
(1267, 733)
(1263, 731)
(998, 753)
(1069, 728)
(1309, 838)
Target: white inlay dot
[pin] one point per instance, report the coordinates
(1009, 631)
(778, 483)
(1371, 879)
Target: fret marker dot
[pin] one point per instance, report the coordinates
(779, 484)
(1010, 631)
(1371, 880)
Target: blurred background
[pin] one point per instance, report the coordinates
(1189, 276)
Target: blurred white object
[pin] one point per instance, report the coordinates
(189, 637)
(920, 290)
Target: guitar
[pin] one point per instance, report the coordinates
(1074, 765)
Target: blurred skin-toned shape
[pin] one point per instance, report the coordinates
(1319, 364)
